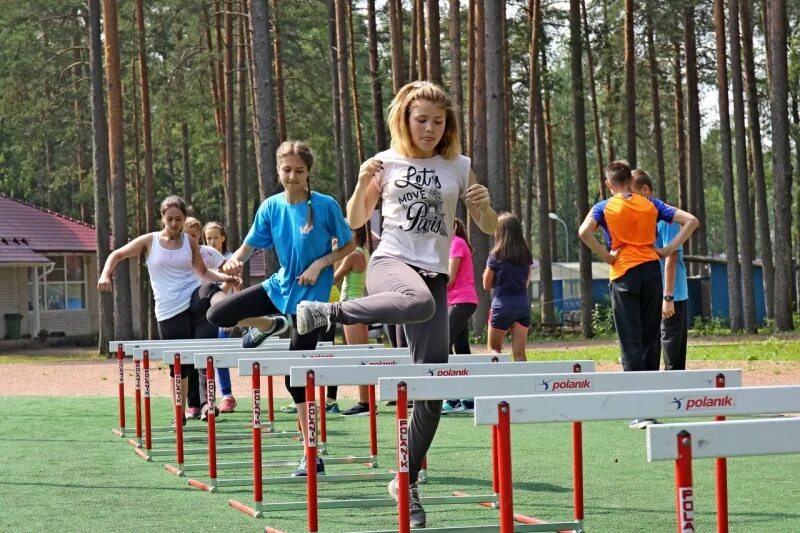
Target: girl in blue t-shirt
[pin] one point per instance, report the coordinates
(300, 224)
(508, 274)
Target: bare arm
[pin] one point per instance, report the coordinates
(366, 194)
(310, 275)
(233, 265)
(138, 246)
(488, 279)
(206, 274)
(670, 269)
(479, 205)
(586, 233)
(354, 262)
(689, 224)
(452, 270)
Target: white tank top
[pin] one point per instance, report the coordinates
(419, 204)
(171, 277)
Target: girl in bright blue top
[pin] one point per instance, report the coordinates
(508, 274)
(299, 224)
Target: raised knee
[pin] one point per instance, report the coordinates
(423, 309)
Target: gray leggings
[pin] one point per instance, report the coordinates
(399, 294)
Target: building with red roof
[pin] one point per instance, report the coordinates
(48, 271)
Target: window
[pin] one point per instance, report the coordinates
(64, 288)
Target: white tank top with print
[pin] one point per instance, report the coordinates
(171, 277)
(419, 204)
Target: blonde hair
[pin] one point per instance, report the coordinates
(193, 223)
(399, 110)
(303, 151)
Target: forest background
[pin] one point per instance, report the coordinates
(107, 107)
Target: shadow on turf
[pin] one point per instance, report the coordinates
(531, 486)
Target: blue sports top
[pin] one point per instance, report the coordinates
(280, 224)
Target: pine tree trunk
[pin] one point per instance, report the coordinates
(471, 78)
(759, 180)
(731, 245)
(551, 168)
(186, 162)
(337, 118)
(479, 240)
(694, 174)
(781, 161)
(456, 87)
(396, 44)
(495, 115)
(433, 31)
(581, 178)
(123, 313)
(263, 99)
(419, 29)
(598, 140)
(142, 285)
(100, 170)
(236, 234)
(658, 137)
(149, 184)
(680, 128)
(537, 157)
(279, 85)
(346, 147)
(630, 85)
(354, 83)
(742, 176)
(377, 91)
(231, 204)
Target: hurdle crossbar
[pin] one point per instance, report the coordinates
(512, 409)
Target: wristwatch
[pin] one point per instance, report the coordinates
(669, 298)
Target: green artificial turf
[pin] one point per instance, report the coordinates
(63, 470)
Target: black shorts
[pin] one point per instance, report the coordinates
(504, 317)
(191, 323)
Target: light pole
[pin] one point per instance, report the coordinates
(553, 216)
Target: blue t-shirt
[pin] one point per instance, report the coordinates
(665, 233)
(510, 283)
(279, 224)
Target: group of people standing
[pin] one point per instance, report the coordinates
(420, 275)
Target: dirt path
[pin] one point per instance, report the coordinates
(100, 378)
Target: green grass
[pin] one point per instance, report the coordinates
(769, 349)
(63, 470)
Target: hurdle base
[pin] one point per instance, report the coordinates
(495, 504)
(178, 471)
(208, 487)
(246, 509)
(119, 432)
(143, 454)
(136, 443)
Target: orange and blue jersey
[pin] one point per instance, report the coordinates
(629, 221)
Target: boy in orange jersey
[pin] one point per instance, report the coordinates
(630, 221)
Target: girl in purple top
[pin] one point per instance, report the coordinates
(508, 274)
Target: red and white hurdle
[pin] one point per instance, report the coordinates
(505, 410)
(684, 442)
(434, 388)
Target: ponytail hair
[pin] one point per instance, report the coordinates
(303, 151)
(460, 230)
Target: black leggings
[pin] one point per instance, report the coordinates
(458, 315)
(254, 302)
(190, 323)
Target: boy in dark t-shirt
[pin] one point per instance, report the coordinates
(629, 222)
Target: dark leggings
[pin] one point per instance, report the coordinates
(254, 302)
(458, 316)
(329, 335)
(400, 294)
(190, 323)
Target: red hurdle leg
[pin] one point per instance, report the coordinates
(212, 419)
(178, 418)
(147, 423)
(138, 399)
(495, 462)
(311, 452)
(373, 425)
(121, 391)
(721, 468)
(403, 511)
(504, 460)
(323, 426)
(270, 403)
(258, 492)
(683, 483)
